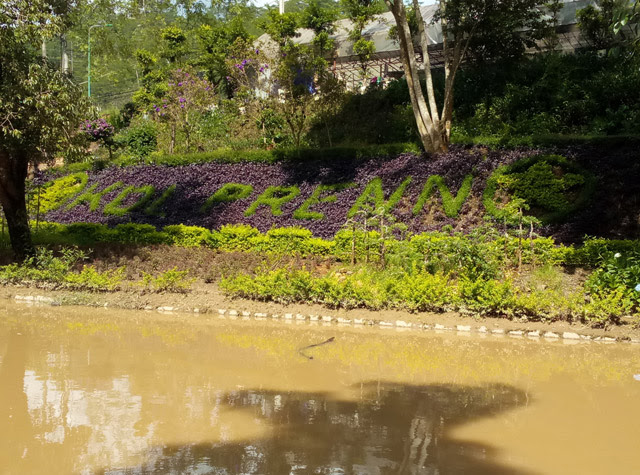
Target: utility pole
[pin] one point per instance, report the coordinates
(89, 56)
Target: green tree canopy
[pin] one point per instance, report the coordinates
(40, 108)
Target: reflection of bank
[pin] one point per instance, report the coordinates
(395, 427)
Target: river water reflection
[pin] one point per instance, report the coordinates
(103, 391)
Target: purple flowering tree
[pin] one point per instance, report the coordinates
(99, 130)
(255, 92)
(188, 97)
(292, 82)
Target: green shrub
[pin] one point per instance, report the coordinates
(550, 185)
(617, 280)
(487, 296)
(291, 241)
(90, 279)
(46, 267)
(539, 250)
(172, 280)
(607, 307)
(229, 155)
(139, 140)
(280, 285)
(235, 237)
(364, 245)
(549, 304)
(138, 234)
(190, 236)
(457, 254)
(424, 292)
(595, 251)
(86, 233)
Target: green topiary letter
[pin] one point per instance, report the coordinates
(228, 192)
(373, 193)
(274, 197)
(316, 197)
(55, 193)
(92, 197)
(154, 208)
(451, 205)
(115, 207)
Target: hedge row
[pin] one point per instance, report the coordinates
(442, 250)
(423, 291)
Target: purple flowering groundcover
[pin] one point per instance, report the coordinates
(194, 184)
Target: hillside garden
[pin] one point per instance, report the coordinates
(283, 186)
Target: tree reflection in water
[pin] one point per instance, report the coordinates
(392, 429)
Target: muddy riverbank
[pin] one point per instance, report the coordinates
(207, 299)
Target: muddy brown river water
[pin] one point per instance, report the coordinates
(102, 391)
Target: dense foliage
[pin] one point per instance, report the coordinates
(481, 273)
(547, 94)
(40, 108)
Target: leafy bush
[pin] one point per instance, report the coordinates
(457, 254)
(172, 280)
(228, 155)
(616, 283)
(424, 292)
(190, 236)
(550, 185)
(90, 279)
(132, 233)
(487, 296)
(291, 241)
(607, 307)
(595, 251)
(47, 268)
(139, 140)
(85, 233)
(235, 237)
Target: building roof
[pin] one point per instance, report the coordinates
(378, 30)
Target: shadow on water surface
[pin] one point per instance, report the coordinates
(390, 429)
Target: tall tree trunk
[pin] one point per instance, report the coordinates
(13, 173)
(64, 56)
(172, 143)
(434, 127)
(429, 126)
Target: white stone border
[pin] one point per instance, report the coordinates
(233, 314)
